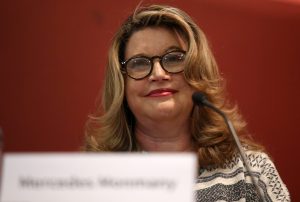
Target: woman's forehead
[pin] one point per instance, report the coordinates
(153, 40)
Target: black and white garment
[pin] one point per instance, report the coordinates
(233, 183)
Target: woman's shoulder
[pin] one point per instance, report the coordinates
(258, 161)
(233, 175)
(268, 177)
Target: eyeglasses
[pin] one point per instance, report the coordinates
(141, 67)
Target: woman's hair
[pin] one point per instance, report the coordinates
(112, 127)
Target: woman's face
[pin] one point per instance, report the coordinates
(161, 96)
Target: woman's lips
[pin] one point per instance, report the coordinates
(161, 92)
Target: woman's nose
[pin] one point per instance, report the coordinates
(158, 73)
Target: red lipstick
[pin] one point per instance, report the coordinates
(161, 92)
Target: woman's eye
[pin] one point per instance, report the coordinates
(139, 63)
(174, 58)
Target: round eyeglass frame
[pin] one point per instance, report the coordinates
(151, 59)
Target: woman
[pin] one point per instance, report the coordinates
(158, 59)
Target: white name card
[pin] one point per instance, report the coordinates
(95, 177)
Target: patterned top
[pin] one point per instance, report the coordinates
(232, 182)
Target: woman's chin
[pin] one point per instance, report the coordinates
(164, 112)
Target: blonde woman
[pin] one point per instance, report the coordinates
(157, 60)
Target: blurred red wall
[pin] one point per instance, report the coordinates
(53, 54)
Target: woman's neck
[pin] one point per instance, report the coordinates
(164, 137)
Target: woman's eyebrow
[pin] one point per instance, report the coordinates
(168, 49)
(137, 55)
(172, 48)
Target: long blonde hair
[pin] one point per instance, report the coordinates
(111, 128)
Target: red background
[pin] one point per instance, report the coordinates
(53, 54)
